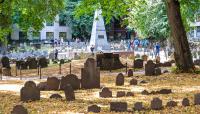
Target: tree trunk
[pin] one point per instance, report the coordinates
(182, 53)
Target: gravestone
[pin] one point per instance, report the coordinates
(6, 71)
(133, 82)
(197, 99)
(171, 104)
(138, 106)
(138, 63)
(53, 83)
(120, 79)
(43, 62)
(55, 96)
(185, 102)
(69, 93)
(165, 91)
(19, 109)
(167, 64)
(156, 104)
(150, 68)
(121, 94)
(94, 109)
(70, 79)
(130, 72)
(90, 75)
(42, 86)
(145, 92)
(32, 63)
(105, 93)
(29, 92)
(118, 106)
(129, 94)
(5, 62)
(157, 71)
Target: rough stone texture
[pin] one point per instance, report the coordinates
(130, 72)
(53, 83)
(129, 94)
(118, 106)
(145, 92)
(156, 104)
(133, 82)
(43, 62)
(94, 109)
(105, 93)
(186, 102)
(165, 91)
(90, 75)
(70, 79)
(19, 109)
(138, 106)
(150, 68)
(42, 86)
(55, 96)
(6, 71)
(69, 93)
(29, 92)
(157, 71)
(5, 62)
(138, 63)
(120, 79)
(121, 94)
(171, 104)
(197, 99)
(32, 63)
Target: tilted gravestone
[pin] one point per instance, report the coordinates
(29, 92)
(42, 62)
(53, 83)
(120, 79)
(90, 75)
(138, 63)
(105, 93)
(157, 71)
(70, 79)
(156, 104)
(118, 106)
(19, 109)
(150, 68)
(94, 109)
(69, 93)
(130, 72)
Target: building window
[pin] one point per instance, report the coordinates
(22, 35)
(198, 31)
(63, 36)
(36, 35)
(49, 35)
(61, 21)
(49, 23)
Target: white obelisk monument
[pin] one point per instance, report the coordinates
(98, 37)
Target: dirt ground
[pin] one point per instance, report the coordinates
(182, 85)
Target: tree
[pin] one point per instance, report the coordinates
(179, 13)
(26, 14)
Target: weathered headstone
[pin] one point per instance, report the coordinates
(133, 82)
(42, 86)
(42, 62)
(150, 68)
(120, 79)
(129, 94)
(105, 93)
(145, 92)
(55, 96)
(138, 63)
(130, 72)
(19, 109)
(165, 91)
(118, 106)
(171, 104)
(197, 99)
(70, 79)
(69, 93)
(32, 63)
(138, 106)
(29, 92)
(156, 104)
(186, 102)
(90, 75)
(121, 94)
(94, 109)
(157, 71)
(53, 83)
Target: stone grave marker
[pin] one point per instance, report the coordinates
(120, 79)
(138, 63)
(150, 68)
(121, 94)
(19, 109)
(42, 86)
(129, 94)
(32, 63)
(138, 106)
(53, 83)
(5, 61)
(55, 96)
(156, 104)
(118, 106)
(197, 99)
(94, 109)
(105, 93)
(70, 79)
(130, 72)
(157, 71)
(171, 104)
(69, 93)
(185, 102)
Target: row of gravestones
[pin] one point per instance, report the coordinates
(156, 104)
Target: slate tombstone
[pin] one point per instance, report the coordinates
(138, 106)
(105, 92)
(133, 82)
(19, 109)
(197, 99)
(42, 86)
(69, 93)
(129, 94)
(119, 79)
(156, 104)
(157, 71)
(121, 94)
(70, 79)
(90, 75)
(29, 92)
(138, 63)
(94, 109)
(53, 83)
(185, 102)
(118, 106)
(150, 68)
(130, 72)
